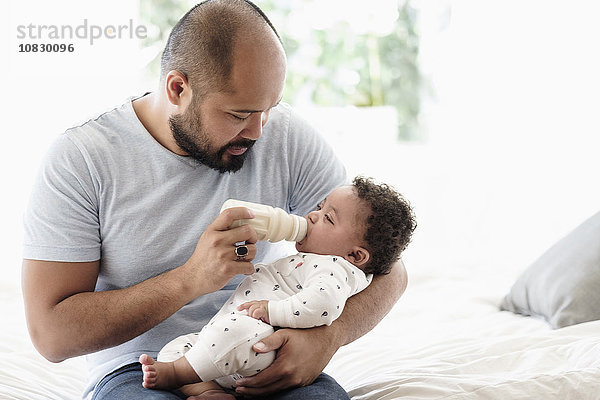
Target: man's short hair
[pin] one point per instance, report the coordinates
(201, 44)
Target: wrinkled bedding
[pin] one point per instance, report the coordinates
(445, 339)
(26, 374)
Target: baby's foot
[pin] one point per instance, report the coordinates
(158, 375)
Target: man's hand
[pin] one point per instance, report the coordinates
(257, 309)
(214, 263)
(302, 355)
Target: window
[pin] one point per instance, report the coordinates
(340, 53)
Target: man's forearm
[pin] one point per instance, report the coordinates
(106, 319)
(364, 310)
(89, 321)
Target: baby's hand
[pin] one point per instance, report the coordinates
(258, 309)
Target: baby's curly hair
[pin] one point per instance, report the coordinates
(389, 227)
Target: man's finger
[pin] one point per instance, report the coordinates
(226, 218)
(270, 343)
(270, 375)
(245, 267)
(268, 380)
(261, 391)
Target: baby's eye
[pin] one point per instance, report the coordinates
(328, 218)
(319, 206)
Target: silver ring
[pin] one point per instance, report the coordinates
(241, 251)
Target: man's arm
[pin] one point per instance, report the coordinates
(304, 353)
(66, 318)
(367, 308)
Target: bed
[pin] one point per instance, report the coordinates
(460, 347)
(445, 339)
(26, 374)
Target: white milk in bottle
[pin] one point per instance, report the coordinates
(271, 223)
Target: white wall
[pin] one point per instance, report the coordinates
(510, 163)
(45, 93)
(513, 126)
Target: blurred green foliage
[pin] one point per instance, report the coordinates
(335, 65)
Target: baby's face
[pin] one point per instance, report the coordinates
(336, 226)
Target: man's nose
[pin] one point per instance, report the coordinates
(253, 130)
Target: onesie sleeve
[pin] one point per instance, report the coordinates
(61, 221)
(330, 281)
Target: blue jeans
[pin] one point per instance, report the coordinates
(126, 384)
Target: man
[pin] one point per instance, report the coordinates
(121, 218)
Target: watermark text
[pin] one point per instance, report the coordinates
(90, 32)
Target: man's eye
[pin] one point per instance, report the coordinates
(239, 118)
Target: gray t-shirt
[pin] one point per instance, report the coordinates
(109, 191)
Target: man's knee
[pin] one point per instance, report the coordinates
(324, 387)
(126, 383)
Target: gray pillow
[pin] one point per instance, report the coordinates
(563, 285)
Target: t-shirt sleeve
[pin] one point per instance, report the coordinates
(61, 222)
(315, 170)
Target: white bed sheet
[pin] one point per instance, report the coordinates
(445, 339)
(24, 374)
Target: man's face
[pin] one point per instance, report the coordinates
(220, 128)
(191, 136)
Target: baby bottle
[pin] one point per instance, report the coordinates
(271, 223)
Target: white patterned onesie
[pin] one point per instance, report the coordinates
(303, 290)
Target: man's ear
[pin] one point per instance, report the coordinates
(177, 89)
(359, 256)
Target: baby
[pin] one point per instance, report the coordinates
(357, 231)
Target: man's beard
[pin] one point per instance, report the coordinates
(191, 138)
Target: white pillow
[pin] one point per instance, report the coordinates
(563, 285)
